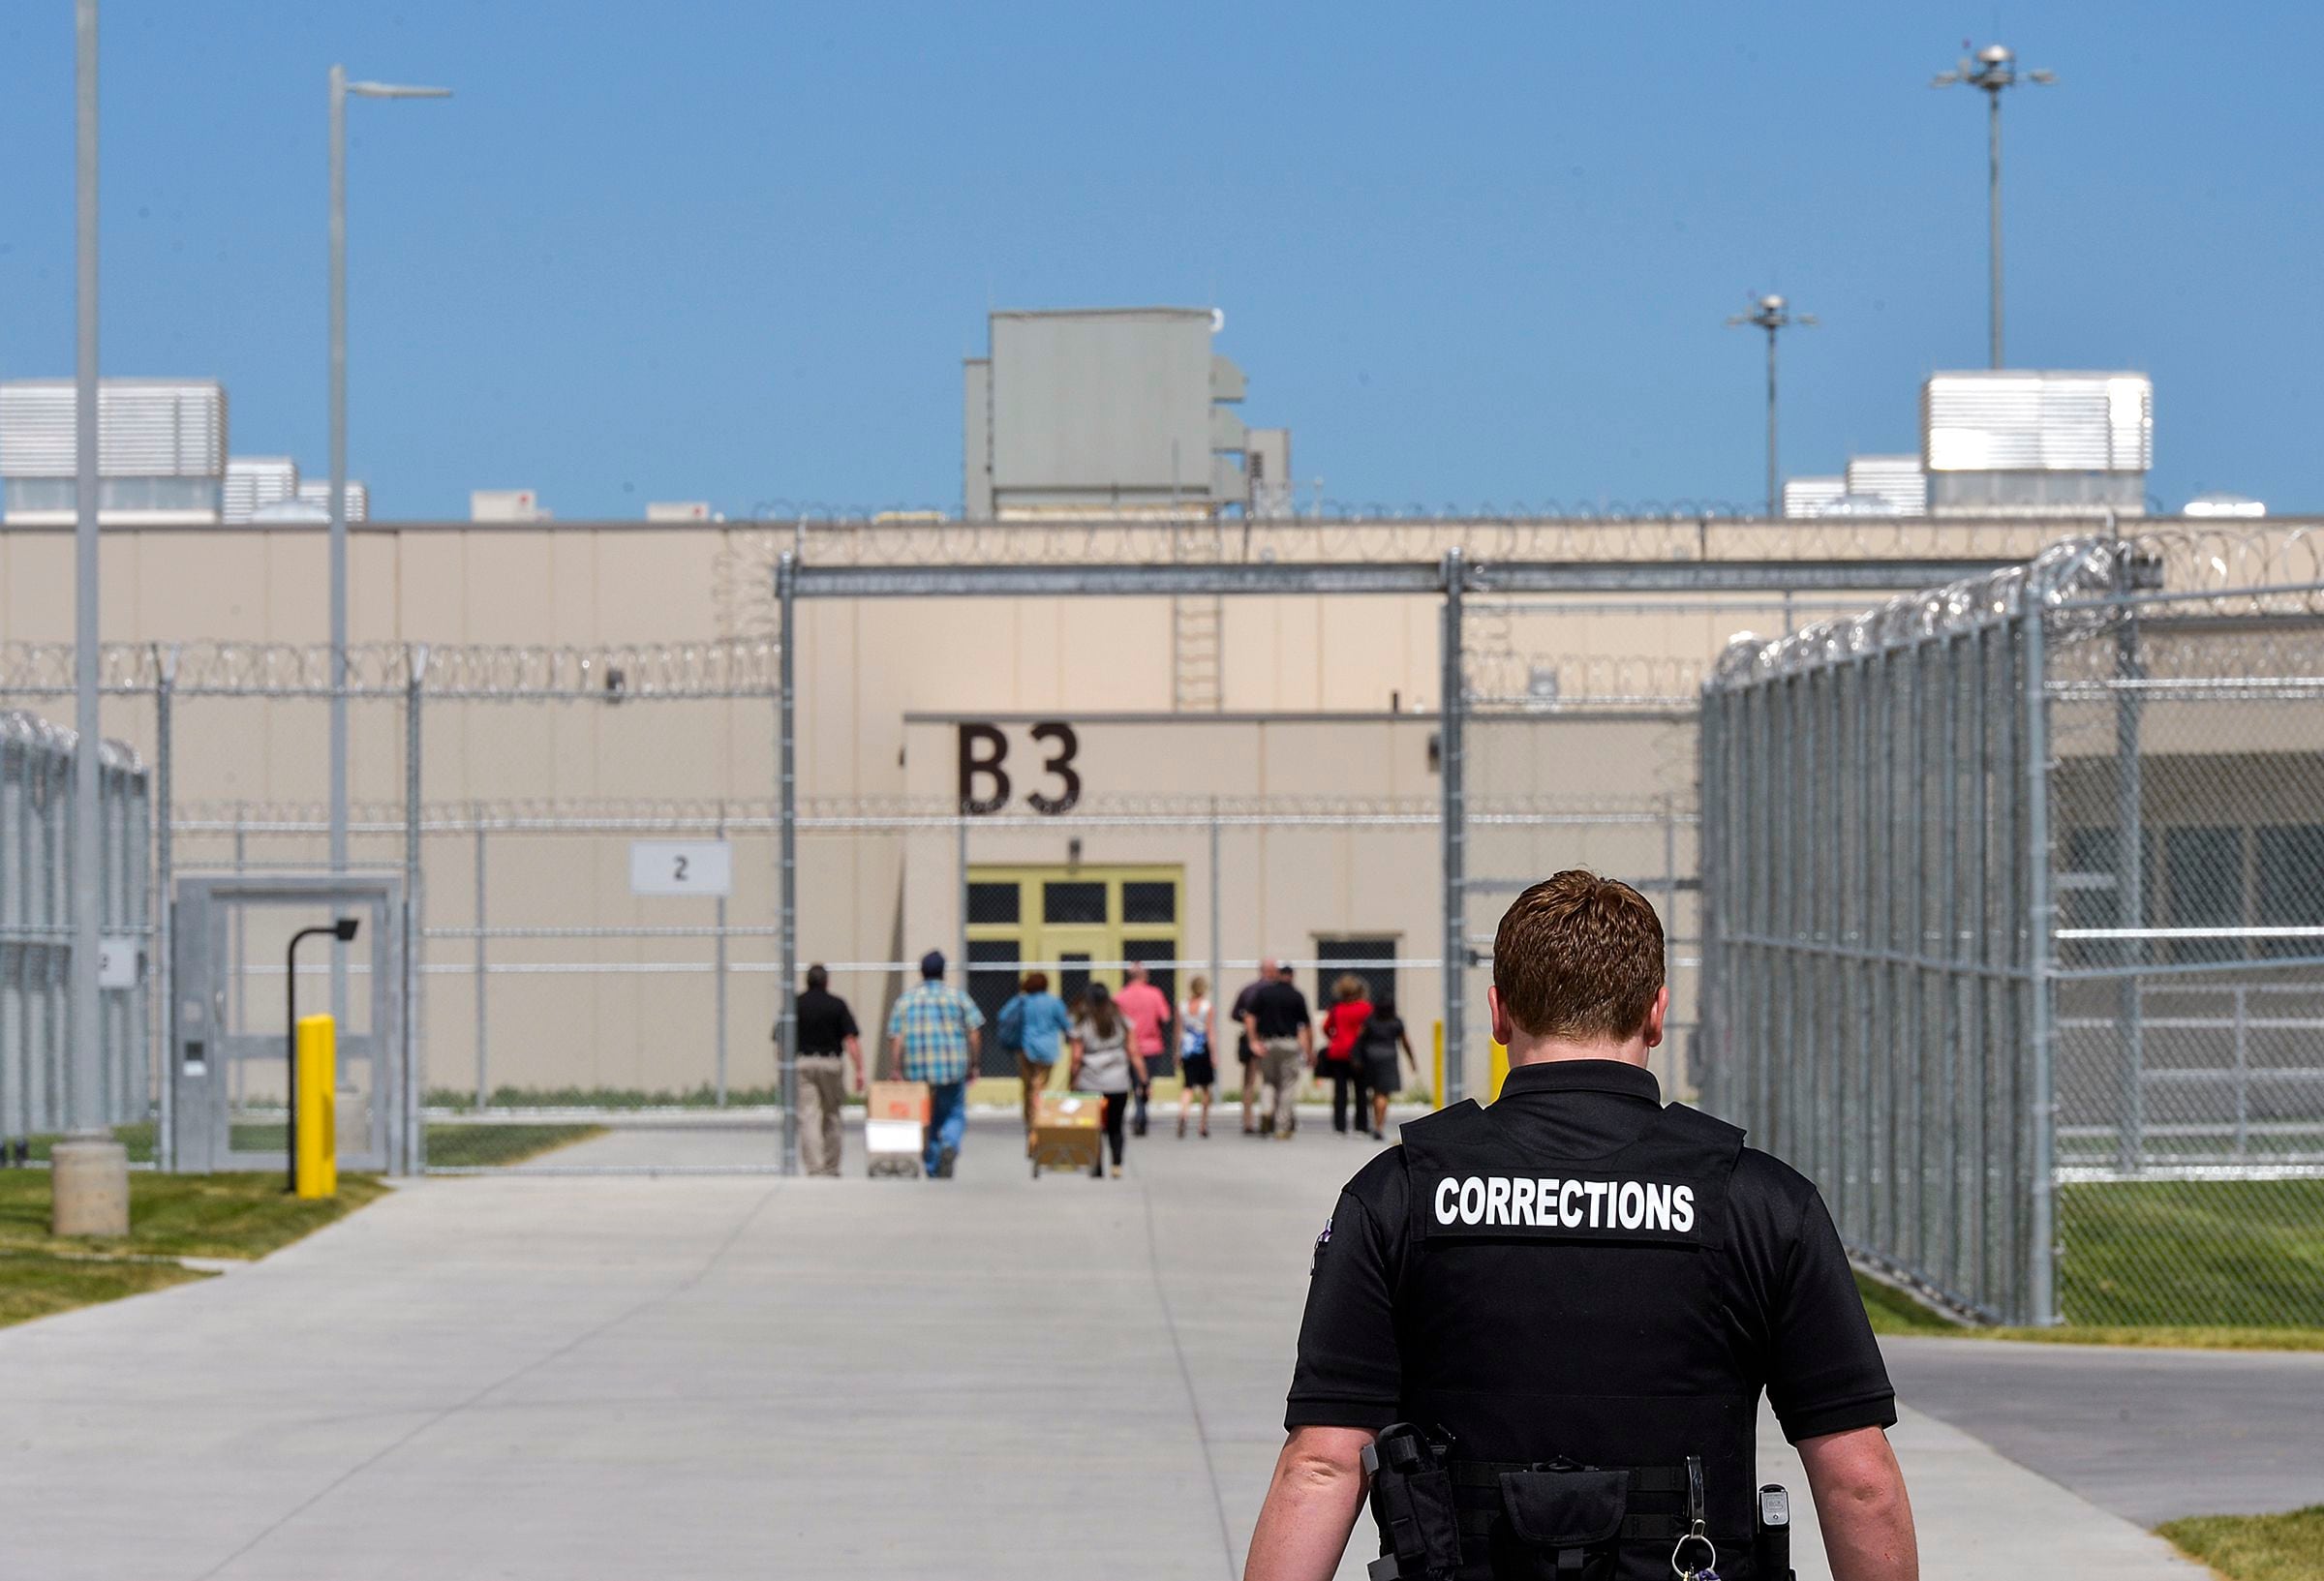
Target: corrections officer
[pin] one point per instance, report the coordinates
(1555, 1316)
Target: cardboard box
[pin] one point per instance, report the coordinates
(1066, 1134)
(896, 1101)
(1069, 1111)
(895, 1126)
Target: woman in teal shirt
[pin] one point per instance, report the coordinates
(1033, 1023)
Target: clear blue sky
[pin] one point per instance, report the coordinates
(1469, 253)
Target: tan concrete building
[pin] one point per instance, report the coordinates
(569, 713)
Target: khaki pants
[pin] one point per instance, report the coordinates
(821, 1089)
(1279, 1069)
(1036, 1077)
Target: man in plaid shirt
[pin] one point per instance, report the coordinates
(933, 1038)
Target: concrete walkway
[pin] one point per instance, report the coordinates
(627, 1378)
(2151, 1435)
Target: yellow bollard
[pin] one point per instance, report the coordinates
(1499, 1072)
(317, 1167)
(1436, 1070)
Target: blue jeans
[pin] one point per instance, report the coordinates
(947, 1119)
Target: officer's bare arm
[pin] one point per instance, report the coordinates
(1311, 1506)
(1860, 1503)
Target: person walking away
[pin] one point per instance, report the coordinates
(1280, 1029)
(1343, 1026)
(933, 1037)
(826, 1029)
(1147, 1009)
(1038, 1021)
(1545, 1326)
(1246, 1049)
(1197, 1069)
(1376, 1055)
(1106, 1061)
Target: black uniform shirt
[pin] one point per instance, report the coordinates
(825, 1022)
(1788, 1287)
(1281, 1009)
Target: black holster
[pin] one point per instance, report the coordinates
(1771, 1535)
(1412, 1500)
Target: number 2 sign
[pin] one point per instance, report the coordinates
(681, 867)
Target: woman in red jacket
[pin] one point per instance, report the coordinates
(1343, 1026)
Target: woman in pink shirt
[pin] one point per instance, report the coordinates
(1147, 1010)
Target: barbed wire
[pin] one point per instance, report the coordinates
(1507, 678)
(2088, 584)
(611, 673)
(760, 816)
(53, 744)
(742, 591)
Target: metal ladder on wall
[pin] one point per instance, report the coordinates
(1196, 626)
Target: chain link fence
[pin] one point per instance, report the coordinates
(2016, 922)
(37, 817)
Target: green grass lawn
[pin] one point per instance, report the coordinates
(464, 1145)
(1892, 1312)
(170, 1216)
(138, 1138)
(486, 1145)
(2233, 1265)
(2175, 1253)
(2257, 1547)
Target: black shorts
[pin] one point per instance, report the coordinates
(1382, 1074)
(1200, 1071)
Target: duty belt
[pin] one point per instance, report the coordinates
(1662, 1489)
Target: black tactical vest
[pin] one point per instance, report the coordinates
(1572, 1311)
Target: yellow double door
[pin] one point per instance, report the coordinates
(1079, 925)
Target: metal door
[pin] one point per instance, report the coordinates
(229, 1050)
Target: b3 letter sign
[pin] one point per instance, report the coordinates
(984, 779)
(681, 867)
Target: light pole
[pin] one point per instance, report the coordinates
(1993, 70)
(341, 89)
(89, 1187)
(1774, 315)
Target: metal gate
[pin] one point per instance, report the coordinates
(231, 1019)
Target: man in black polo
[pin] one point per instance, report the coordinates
(1279, 1028)
(1556, 1315)
(826, 1030)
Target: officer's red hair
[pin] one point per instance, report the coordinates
(1579, 956)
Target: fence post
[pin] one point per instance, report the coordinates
(718, 999)
(416, 1136)
(2041, 1265)
(475, 814)
(2243, 1072)
(1710, 853)
(1671, 1065)
(1218, 981)
(787, 573)
(165, 1138)
(2129, 865)
(413, 1156)
(1454, 812)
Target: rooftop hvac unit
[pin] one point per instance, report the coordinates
(255, 482)
(1897, 482)
(1808, 495)
(145, 428)
(2004, 421)
(318, 492)
(505, 505)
